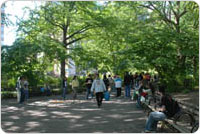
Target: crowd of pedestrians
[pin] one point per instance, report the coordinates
(136, 82)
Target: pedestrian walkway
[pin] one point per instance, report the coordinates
(53, 115)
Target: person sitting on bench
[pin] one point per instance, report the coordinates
(166, 110)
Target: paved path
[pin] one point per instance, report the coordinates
(43, 114)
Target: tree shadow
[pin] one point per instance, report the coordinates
(81, 116)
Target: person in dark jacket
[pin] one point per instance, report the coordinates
(106, 81)
(127, 84)
(164, 111)
(88, 83)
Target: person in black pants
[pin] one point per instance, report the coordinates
(99, 98)
(106, 81)
(99, 87)
(88, 83)
(22, 94)
(127, 84)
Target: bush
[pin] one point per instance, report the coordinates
(8, 84)
(186, 91)
(52, 80)
(8, 94)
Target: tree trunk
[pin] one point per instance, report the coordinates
(62, 68)
(62, 74)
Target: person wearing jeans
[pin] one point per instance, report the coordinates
(127, 83)
(88, 83)
(22, 95)
(99, 87)
(154, 117)
(127, 90)
(118, 85)
(161, 113)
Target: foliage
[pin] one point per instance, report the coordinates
(114, 37)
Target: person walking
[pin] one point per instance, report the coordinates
(64, 88)
(136, 80)
(106, 81)
(111, 83)
(26, 93)
(99, 87)
(88, 83)
(127, 84)
(22, 96)
(139, 95)
(75, 85)
(118, 85)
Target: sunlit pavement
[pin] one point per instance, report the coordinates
(54, 115)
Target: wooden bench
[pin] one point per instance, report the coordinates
(185, 121)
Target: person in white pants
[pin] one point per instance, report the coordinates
(18, 86)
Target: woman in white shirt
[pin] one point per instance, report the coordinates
(99, 87)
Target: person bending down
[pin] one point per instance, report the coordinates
(99, 87)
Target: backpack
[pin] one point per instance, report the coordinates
(172, 106)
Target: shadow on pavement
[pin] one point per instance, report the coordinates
(47, 114)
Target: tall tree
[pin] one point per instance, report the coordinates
(60, 23)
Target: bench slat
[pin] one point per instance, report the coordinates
(188, 104)
(181, 129)
(195, 112)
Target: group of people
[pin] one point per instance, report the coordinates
(96, 86)
(141, 84)
(22, 89)
(74, 84)
(111, 83)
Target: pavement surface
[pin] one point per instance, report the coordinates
(53, 115)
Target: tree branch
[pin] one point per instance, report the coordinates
(163, 15)
(53, 39)
(75, 40)
(171, 7)
(146, 7)
(50, 20)
(184, 12)
(79, 31)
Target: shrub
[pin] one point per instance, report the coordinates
(8, 94)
